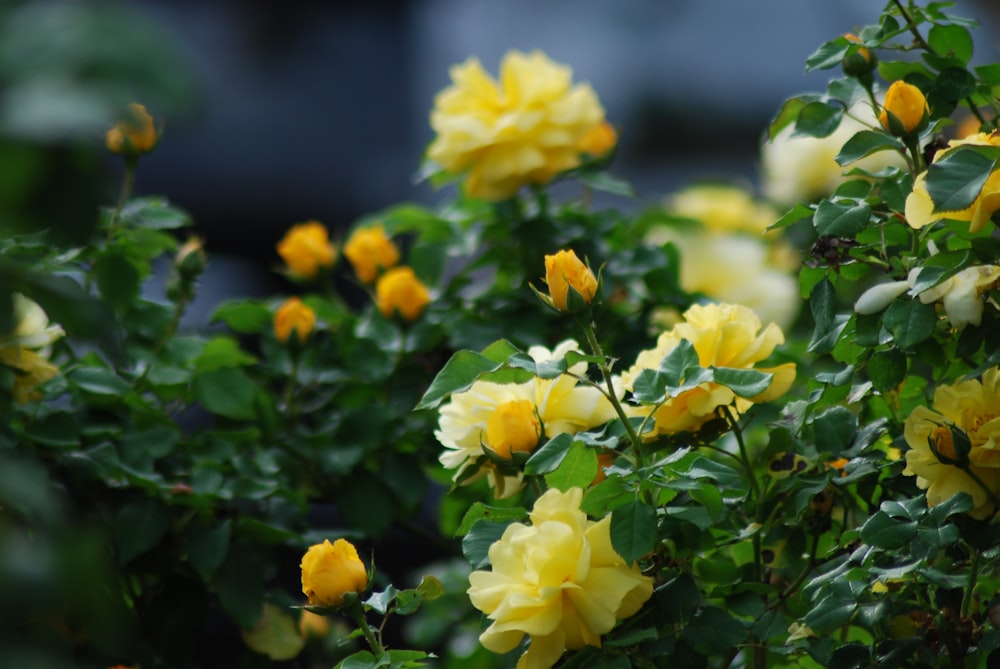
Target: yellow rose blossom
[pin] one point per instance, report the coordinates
(723, 335)
(330, 571)
(133, 135)
(905, 110)
(523, 129)
(558, 580)
(723, 208)
(561, 405)
(919, 208)
(306, 249)
(961, 295)
(972, 407)
(400, 291)
(563, 271)
(599, 140)
(513, 427)
(370, 251)
(27, 347)
(294, 315)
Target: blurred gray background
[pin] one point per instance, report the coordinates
(319, 110)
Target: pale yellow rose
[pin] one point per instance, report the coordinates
(558, 580)
(370, 251)
(306, 249)
(27, 347)
(803, 169)
(973, 407)
(961, 295)
(523, 129)
(133, 135)
(561, 405)
(400, 291)
(919, 209)
(723, 335)
(296, 316)
(330, 571)
(564, 270)
(723, 208)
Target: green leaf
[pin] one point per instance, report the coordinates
(207, 547)
(476, 544)
(939, 267)
(463, 369)
(227, 392)
(99, 381)
(829, 54)
(245, 317)
(830, 613)
(275, 635)
(818, 119)
(952, 41)
(834, 429)
(153, 212)
(139, 525)
(220, 353)
(743, 382)
(882, 531)
(362, 659)
(577, 470)
(887, 369)
(602, 181)
(792, 216)
(678, 372)
(496, 514)
(955, 181)
(117, 279)
(786, 115)
(239, 583)
(842, 219)
(909, 321)
(59, 429)
(713, 632)
(865, 143)
(710, 497)
(547, 458)
(633, 530)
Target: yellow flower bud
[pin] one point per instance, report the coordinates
(306, 248)
(295, 315)
(564, 271)
(513, 426)
(858, 61)
(905, 110)
(330, 571)
(133, 135)
(399, 290)
(599, 140)
(370, 250)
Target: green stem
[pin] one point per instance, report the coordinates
(355, 612)
(917, 37)
(128, 183)
(973, 578)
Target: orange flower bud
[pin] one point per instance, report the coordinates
(564, 271)
(513, 426)
(306, 248)
(370, 250)
(134, 134)
(330, 571)
(295, 315)
(399, 290)
(905, 110)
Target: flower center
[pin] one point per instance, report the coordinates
(513, 426)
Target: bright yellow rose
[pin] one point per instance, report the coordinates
(369, 251)
(563, 271)
(972, 407)
(400, 291)
(330, 571)
(306, 249)
(905, 110)
(559, 580)
(523, 129)
(723, 335)
(599, 140)
(294, 315)
(513, 427)
(561, 405)
(919, 208)
(27, 347)
(133, 135)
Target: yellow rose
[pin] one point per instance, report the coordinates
(306, 249)
(26, 348)
(919, 208)
(961, 295)
(561, 405)
(400, 291)
(599, 140)
(369, 250)
(723, 335)
(523, 129)
(558, 580)
(294, 315)
(972, 407)
(513, 427)
(133, 135)
(330, 571)
(723, 209)
(564, 271)
(905, 110)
